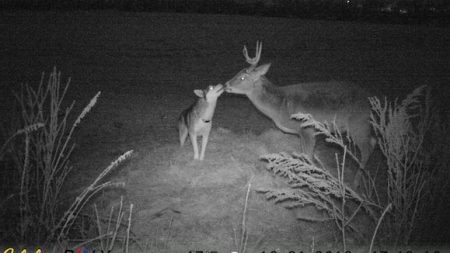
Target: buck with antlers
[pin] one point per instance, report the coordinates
(341, 102)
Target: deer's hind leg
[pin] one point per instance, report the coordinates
(362, 137)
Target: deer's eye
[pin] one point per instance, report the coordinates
(242, 78)
(210, 87)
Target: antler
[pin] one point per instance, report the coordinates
(253, 61)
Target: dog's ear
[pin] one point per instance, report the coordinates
(199, 93)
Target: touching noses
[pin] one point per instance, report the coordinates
(227, 86)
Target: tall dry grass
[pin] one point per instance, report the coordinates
(41, 163)
(112, 231)
(241, 241)
(411, 136)
(312, 184)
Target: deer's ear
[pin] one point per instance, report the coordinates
(262, 70)
(199, 93)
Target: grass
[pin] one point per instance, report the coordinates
(110, 230)
(240, 242)
(412, 163)
(41, 160)
(413, 158)
(312, 184)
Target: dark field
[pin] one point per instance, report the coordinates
(147, 64)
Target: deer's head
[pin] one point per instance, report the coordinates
(244, 81)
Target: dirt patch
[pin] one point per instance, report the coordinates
(185, 204)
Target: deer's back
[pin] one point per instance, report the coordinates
(328, 100)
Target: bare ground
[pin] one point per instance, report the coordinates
(147, 64)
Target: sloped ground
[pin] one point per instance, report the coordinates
(192, 205)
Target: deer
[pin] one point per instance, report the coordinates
(330, 101)
(197, 119)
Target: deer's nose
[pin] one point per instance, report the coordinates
(227, 86)
(220, 87)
